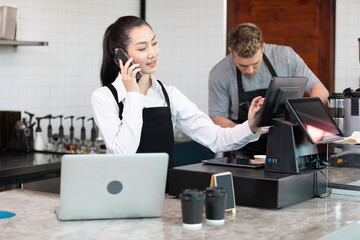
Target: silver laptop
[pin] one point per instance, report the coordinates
(104, 186)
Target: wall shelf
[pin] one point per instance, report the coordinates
(16, 43)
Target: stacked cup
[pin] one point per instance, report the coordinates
(215, 205)
(192, 204)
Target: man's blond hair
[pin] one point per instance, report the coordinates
(245, 40)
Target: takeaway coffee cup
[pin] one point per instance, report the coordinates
(192, 204)
(215, 205)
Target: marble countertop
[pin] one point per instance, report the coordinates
(312, 219)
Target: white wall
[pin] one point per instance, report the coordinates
(192, 39)
(59, 78)
(347, 66)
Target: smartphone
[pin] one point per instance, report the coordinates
(121, 54)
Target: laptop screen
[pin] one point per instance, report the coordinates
(104, 186)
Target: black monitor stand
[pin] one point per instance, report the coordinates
(288, 149)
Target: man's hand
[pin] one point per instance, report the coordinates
(254, 112)
(264, 129)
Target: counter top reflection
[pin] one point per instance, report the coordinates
(16, 167)
(10, 160)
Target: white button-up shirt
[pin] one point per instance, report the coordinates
(123, 136)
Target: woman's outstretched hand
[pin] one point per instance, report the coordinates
(254, 112)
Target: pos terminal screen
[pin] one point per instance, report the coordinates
(280, 88)
(314, 119)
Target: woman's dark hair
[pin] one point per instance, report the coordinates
(116, 36)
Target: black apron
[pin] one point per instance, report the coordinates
(157, 131)
(245, 98)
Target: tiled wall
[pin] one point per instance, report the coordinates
(192, 39)
(59, 78)
(347, 65)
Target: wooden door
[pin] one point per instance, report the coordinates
(305, 25)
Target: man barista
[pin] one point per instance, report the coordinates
(246, 73)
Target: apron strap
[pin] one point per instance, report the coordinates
(165, 94)
(269, 66)
(239, 83)
(120, 104)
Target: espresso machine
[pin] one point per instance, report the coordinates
(351, 111)
(349, 156)
(345, 108)
(16, 134)
(337, 109)
(348, 113)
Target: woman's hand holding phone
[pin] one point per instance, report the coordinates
(128, 75)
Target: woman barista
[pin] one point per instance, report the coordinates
(139, 116)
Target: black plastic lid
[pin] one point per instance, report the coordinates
(215, 191)
(192, 194)
(337, 96)
(355, 94)
(349, 93)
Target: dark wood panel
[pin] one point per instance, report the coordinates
(311, 60)
(282, 2)
(299, 44)
(289, 29)
(326, 39)
(285, 13)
